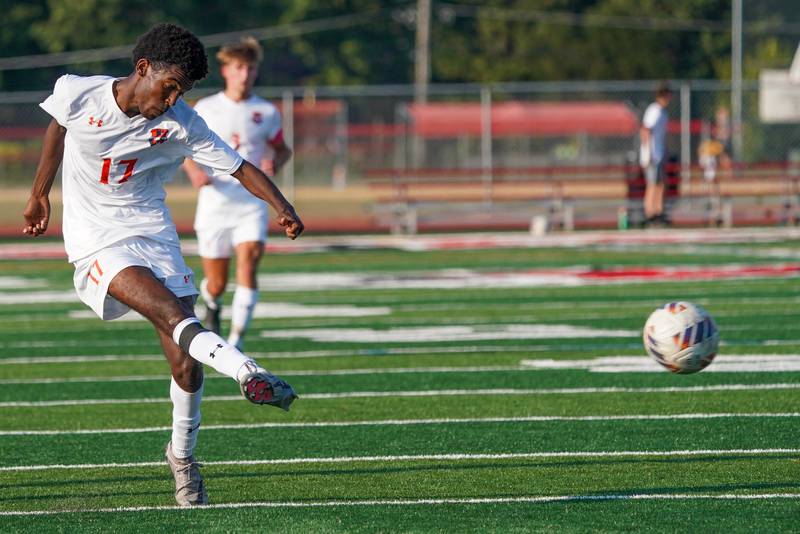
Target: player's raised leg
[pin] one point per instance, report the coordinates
(139, 289)
(245, 298)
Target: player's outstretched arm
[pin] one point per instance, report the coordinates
(261, 186)
(37, 211)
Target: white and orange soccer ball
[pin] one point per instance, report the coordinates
(682, 337)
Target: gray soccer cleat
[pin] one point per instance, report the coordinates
(189, 487)
(262, 387)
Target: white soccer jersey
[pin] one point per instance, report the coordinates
(248, 126)
(115, 166)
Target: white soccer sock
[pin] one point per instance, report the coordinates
(244, 301)
(208, 348)
(210, 301)
(185, 419)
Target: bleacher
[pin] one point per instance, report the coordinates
(407, 201)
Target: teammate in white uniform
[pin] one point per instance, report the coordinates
(229, 218)
(653, 152)
(120, 140)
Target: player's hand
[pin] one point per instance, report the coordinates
(37, 216)
(291, 222)
(268, 167)
(199, 179)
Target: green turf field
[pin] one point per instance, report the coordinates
(439, 393)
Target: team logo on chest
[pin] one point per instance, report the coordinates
(95, 122)
(158, 136)
(258, 118)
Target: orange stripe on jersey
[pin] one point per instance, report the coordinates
(99, 270)
(93, 279)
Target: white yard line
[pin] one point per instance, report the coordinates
(271, 310)
(288, 355)
(75, 340)
(404, 422)
(482, 331)
(298, 372)
(81, 359)
(632, 307)
(742, 363)
(422, 457)
(534, 499)
(424, 393)
(374, 352)
(754, 363)
(90, 379)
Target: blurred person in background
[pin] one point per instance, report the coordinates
(229, 219)
(653, 154)
(722, 134)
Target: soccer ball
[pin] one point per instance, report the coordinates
(682, 337)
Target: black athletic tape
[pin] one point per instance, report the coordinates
(188, 334)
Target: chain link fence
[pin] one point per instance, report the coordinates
(344, 137)
(339, 134)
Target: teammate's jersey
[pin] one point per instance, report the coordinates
(115, 166)
(248, 126)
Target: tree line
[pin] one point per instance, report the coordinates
(471, 41)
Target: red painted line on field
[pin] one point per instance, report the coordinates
(693, 273)
(665, 273)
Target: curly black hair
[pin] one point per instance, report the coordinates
(168, 44)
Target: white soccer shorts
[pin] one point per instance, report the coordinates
(218, 239)
(94, 274)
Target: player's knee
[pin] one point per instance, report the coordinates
(250, 254)
(173, 316)
(255, 254)
(215, 286)
(188, 374)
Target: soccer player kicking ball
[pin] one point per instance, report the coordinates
(228, 217)
(120, 140)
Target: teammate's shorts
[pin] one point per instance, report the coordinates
(654, 173)
(217, 238)
(94, 274)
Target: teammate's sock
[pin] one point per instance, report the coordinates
(185, 419)
(211, 301)
(244, 301)
(208, 348)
